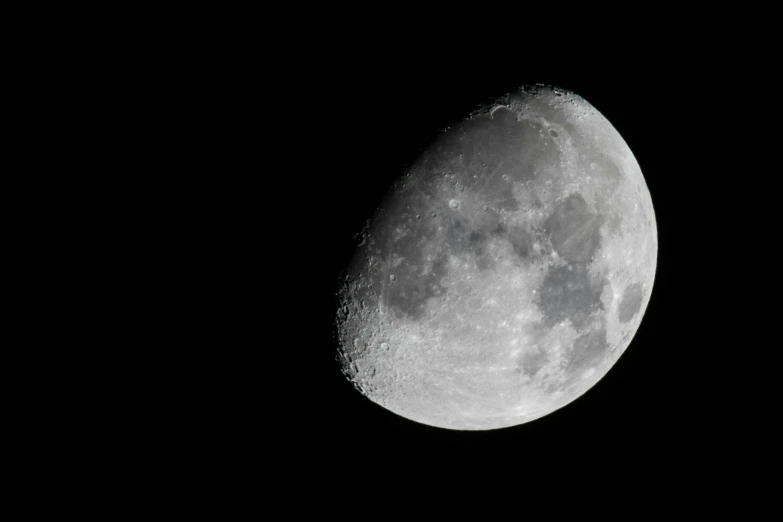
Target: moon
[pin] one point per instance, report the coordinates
(505, 272)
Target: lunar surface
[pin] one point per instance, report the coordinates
(505, 272)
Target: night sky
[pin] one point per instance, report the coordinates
(180, 204)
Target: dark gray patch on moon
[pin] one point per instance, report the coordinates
(499, 149)
(465, 237)
(631, 302)
(575, 231)
(522, 242)
(508, 203)
(477, 243)
(614, 223)
(588, 350)
(409, 292)
(531, 363)
(568, 293)
(461, 238)
(609, 169)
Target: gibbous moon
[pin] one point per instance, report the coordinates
(505, 272)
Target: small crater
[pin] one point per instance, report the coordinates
(454, 204)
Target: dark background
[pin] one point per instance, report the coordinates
(180, 203)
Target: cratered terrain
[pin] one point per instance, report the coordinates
(507, 269)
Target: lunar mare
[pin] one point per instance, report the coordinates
(505, 272)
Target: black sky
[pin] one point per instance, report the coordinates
(181, 203)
